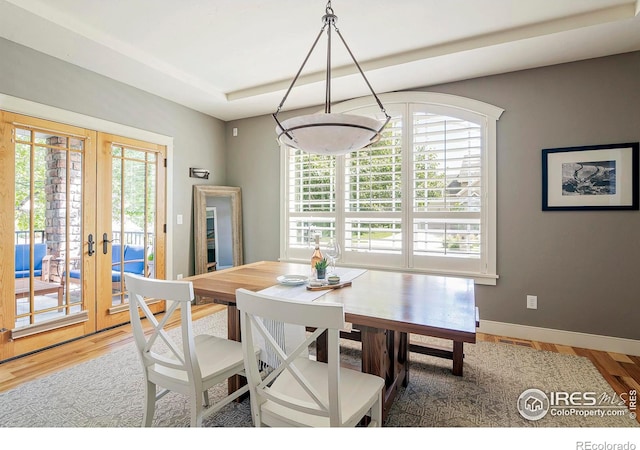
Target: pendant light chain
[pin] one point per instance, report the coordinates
(329, 20)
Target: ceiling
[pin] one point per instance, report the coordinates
(235, 58)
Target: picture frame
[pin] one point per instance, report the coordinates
(590, 178)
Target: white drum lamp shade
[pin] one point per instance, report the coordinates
(329, 133)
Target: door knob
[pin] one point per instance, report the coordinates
(91, 243)
(105, 244)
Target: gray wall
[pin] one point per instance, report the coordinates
(253, 163)
(199, 140)
(583, 266)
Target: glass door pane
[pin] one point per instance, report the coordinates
(133, 219)
(48, 226)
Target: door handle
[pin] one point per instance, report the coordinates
(105, 244)
(91, 244)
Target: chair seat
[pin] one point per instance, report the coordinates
(356, 389)
(218, 358)
(27, 273)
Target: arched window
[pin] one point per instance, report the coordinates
(421, 199)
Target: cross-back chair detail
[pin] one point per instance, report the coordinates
(190, 366)
(298, 390)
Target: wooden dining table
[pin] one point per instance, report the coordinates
(384, 309)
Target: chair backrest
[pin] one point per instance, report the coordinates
(22, 257)
(115, 253)
(134, 258)
(134, 253)
(256, 310)
(158, 348)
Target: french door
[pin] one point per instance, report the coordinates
(78, 210)
(130, 217)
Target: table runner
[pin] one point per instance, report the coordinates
(301, 293)
(286, 335)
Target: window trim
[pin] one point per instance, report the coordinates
(485, 114)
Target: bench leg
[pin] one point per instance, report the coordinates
(403, 356)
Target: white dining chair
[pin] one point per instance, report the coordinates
(189, 365)
(298, 390)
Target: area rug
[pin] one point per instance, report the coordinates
(108, 391)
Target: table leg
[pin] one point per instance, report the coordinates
(385, 354)
(458, 356)
(374, 351)
(322, 344)
(233, 333)
(233, 323)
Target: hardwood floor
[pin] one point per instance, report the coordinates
(622, 372)
(27, 368)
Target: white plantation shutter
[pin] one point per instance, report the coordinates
(373, 197)
(446, 163)
(421, 199)
(311, 200)
(374, 178)
(312, 182)
(447, 186)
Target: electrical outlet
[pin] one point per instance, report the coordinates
(532, 301)
(179, 276)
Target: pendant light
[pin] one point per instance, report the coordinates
(329, 133)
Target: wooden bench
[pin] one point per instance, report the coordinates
(456, 354)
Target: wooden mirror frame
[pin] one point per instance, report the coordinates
(200, 195)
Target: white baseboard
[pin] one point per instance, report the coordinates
(561, 337)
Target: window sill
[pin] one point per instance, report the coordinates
(478, 278)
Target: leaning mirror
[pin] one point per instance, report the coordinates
(217, 227)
